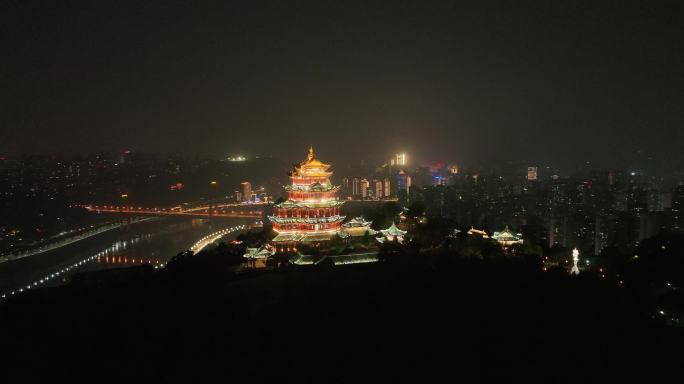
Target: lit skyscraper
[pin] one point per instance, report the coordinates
(678, 208)
(356, 189)
(246, 191)
(378, 189)
(365, 185)
(403, 182)
(400, 159)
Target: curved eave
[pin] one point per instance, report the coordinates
(305, 220)
(308, 188)
(303, 204)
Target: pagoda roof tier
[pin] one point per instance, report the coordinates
(310, 204)
(306, 220)
(311, 167)
(315, 187)
(303, 237)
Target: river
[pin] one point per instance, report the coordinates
(153, 242)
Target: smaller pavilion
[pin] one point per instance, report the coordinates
(358, 227)
(256, 257)
(507, 238)
(391, 233)
(263, 252)
(478, 232)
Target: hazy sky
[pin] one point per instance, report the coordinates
(465, 81)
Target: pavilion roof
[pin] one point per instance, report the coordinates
(358, 221)
(473, 231)
(393, 230)
(302, 237)
(506, 235)
(258, 253)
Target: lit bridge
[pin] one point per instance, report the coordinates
(219, 210)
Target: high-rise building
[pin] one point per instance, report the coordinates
(637, 198)
(655, 202)
(400, 159)
(532, 173)
(356, 188)
(678, 208)
(364, 185)
(403, 182)
(378, 189)
(386, 187)
(246, 190)
(311, 213)
(345, 187)
(559, 193)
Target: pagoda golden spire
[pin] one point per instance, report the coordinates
(311, 166)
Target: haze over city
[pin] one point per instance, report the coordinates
(547, 82)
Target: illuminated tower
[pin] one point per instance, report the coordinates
(311, 213)
(575, 259)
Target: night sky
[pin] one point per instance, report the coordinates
(472, 81)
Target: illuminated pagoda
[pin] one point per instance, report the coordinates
(311, 213)
(507, 238)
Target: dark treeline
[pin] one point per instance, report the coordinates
(423, 315)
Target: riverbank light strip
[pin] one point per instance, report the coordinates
(203, 242)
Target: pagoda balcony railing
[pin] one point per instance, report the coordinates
(304, 213)
(306, 228)
(299, 196)
(307, 220)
